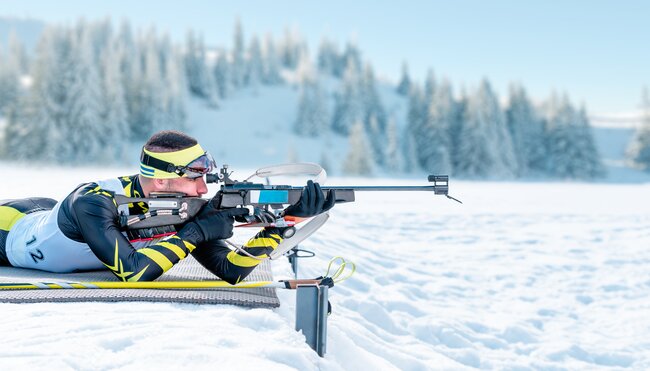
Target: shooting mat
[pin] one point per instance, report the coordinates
(186, 270)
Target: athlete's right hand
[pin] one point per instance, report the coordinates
(211, 224)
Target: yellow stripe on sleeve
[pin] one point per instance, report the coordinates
(8, 217)
(176, 249)
(262, 242)
(158, 257)
(243, 261)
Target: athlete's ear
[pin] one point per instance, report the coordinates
(160, 185)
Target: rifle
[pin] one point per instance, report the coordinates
(167, 209)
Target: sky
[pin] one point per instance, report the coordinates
(595, 51)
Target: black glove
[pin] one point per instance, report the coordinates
(211, 224)
(312, 202)
(259, 216)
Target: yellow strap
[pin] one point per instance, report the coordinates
(337, 274)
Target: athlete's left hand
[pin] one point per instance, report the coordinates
(312, 201)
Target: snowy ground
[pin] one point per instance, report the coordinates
(522, 275)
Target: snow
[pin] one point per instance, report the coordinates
(542, 275)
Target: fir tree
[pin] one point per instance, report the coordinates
(404, 85)
(255, 65)
(348, 107)
(222, 78)
(639, 147)
(113, 108)
(357, 161)
(9, 80)
(527, 132)
(485, 147)
(272, 74)
(433, 142)
(312, 119)
(394, 156)
(329, 59)
(239, 67)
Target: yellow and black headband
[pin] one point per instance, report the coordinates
(168, 165)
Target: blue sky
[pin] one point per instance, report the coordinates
(596, 51)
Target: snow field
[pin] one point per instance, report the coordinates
(521, 276)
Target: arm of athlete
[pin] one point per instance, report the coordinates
(96, 216)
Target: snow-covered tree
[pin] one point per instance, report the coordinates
(313, 116)
(199, 79)
(238, 67)
(433, 141)
(571, 149)
(394, 157)
(358, 160)
(429, 85)
(291, 48)
(9, 80)
(255, 65)
(329, 60)
(222, 78)
(404, 85)
(272, 75)
(416, 114)
(113, 109)
(485, 146)
(374, 115)
(84, 130)
(527, 132)
(409, 151)
(348, 107)
(639, 147)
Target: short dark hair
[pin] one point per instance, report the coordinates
(169, 141)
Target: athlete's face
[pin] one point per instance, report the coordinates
(191, 187)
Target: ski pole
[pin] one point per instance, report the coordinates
(284, 284)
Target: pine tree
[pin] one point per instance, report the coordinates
(9, 80)
(374, 115)
(485, 147)
(329, 59)
(113, 108)
(238, 69)
(84, 130)
(222, 78)
(272, 75)
(409, 151)
(639, 147)
(404, 85)
(394, 157)
(199, 79)
(348, 107)
(416, 121)
(255, 65)
(527, 132)
(433, 142)
(357, 161)
(313, 118)
(430, 85)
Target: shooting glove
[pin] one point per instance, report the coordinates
(211, 224)
(312, 202)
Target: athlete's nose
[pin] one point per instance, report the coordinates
(201, 187)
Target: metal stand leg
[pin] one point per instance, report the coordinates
(293, 260)
(311, 315)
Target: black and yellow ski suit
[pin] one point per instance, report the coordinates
(83, 232)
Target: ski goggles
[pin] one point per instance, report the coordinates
(191, 162)
(199, 167)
